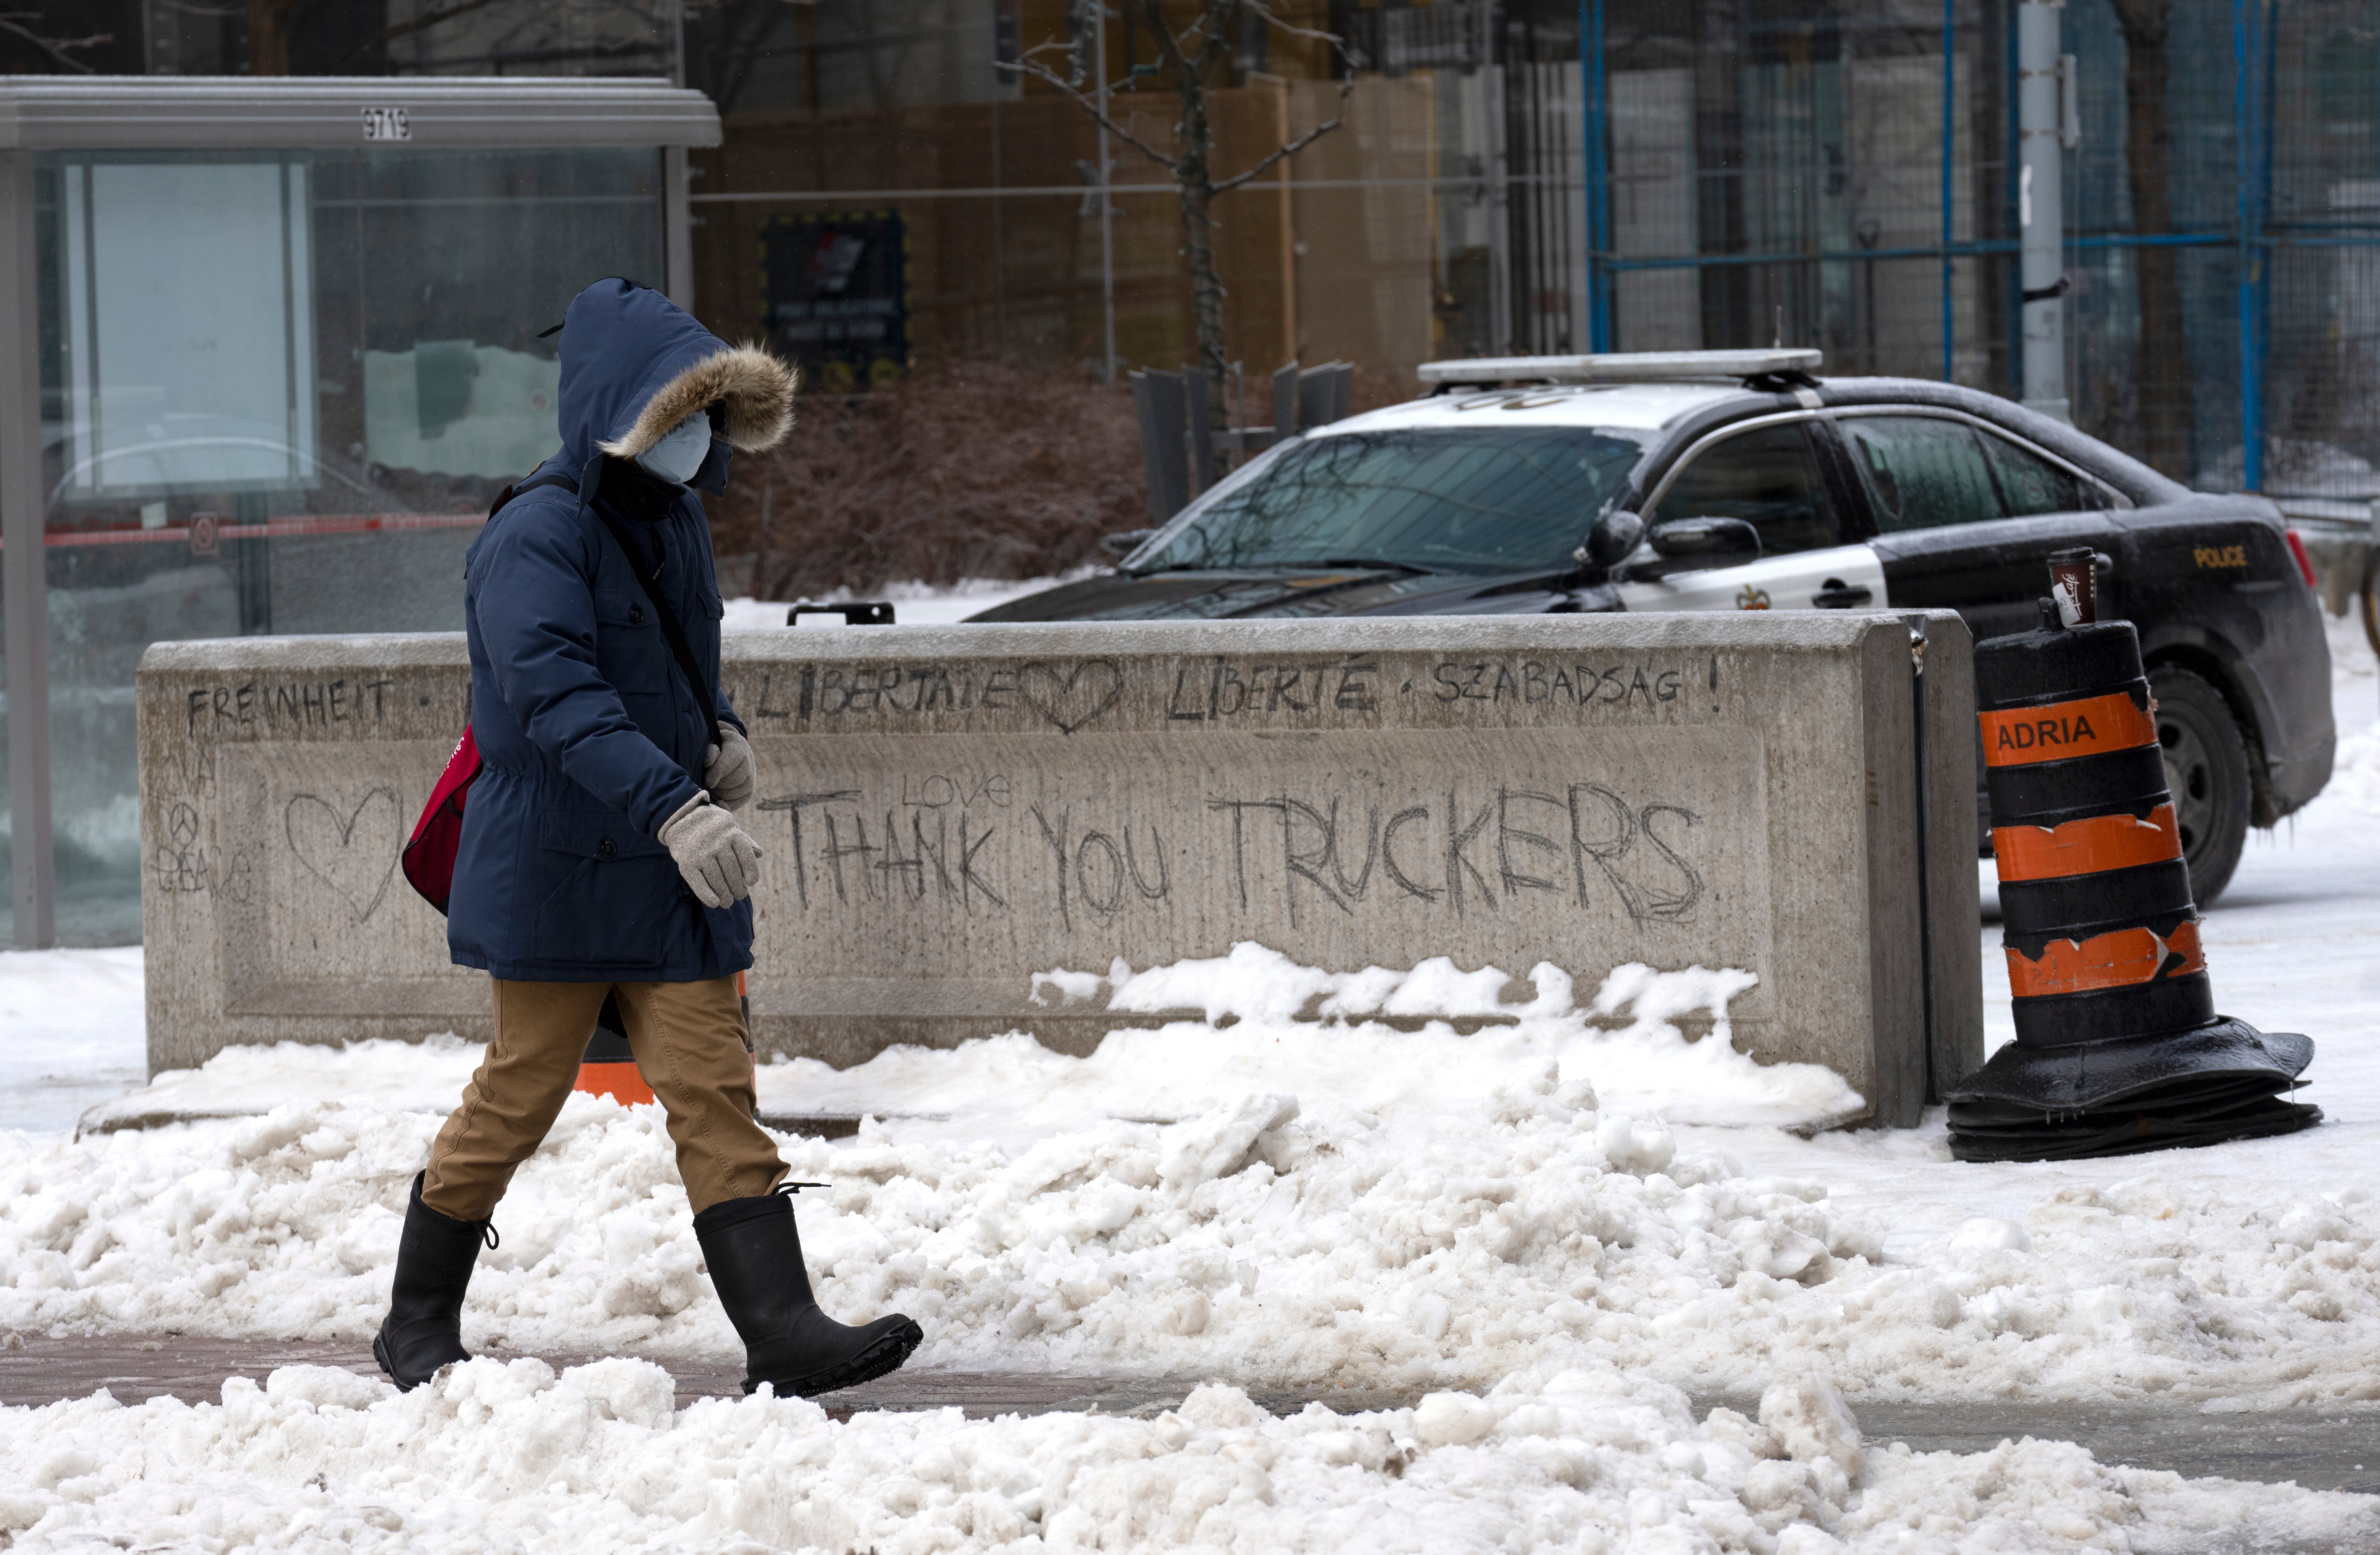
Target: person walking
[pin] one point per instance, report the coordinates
(600, 856)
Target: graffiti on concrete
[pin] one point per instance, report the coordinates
(1461, 848)
(350, 848)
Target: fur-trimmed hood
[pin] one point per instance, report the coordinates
(753, 391)
(635, 364)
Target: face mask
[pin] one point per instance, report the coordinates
(681, 451)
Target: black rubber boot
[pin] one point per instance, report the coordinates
(424, 1329)
(756, 1261)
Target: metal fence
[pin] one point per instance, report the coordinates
(1577, 174)
(1773, 169)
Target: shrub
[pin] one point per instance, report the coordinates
(964, 469)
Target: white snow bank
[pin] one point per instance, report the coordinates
(914, 604)
(1276, 1238)
(1623, 1045)
(1256, 1239)
(424, 1076)
(2355, 771)
(72, 1033)
(2355, 768)
(511, 1457)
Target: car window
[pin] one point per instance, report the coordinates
(1926, 472)
(1769, 477)
(2030, 483)
(1923, 472)
(1466, 500)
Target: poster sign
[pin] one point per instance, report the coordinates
(188, 324)
(837, 290)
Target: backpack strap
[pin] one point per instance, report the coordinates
(672, 633)
(531, 484)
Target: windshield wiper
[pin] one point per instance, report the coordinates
(1374, 564)
(1367, 564)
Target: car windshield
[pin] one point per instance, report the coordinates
(1456, 499)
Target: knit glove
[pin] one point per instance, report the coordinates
(717, 860)
(727, 769)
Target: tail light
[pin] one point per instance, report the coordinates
(2305, 562)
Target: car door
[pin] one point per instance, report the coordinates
(1779, 475)
(1963, 515)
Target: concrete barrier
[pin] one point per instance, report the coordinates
(950, 810)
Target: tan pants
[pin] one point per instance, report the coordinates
(689, 1042)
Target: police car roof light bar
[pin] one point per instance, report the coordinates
(1623, 366)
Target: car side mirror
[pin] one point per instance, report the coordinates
(1614, 537)
(1124, 544)
(1708, 542)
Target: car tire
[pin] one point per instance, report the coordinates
(2206, 768)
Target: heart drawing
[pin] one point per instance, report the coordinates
(1071, 699)
(355, 857)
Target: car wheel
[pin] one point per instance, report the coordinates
(2206, 768)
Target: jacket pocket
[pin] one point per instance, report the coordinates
(611, 894)
(628, 648)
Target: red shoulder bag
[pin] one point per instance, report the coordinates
(429, 855)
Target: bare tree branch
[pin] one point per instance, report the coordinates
(1124, 83)
(1089, 105)
(1336, 42)
(390, 34)
(1195, 63)
(54, 47)
(1168, 44)
(1346, 89)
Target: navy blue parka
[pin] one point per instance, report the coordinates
(590, 735)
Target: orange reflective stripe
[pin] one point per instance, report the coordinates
(2086, 726)
(2086, 847)
(2119, 959)
(623, 1083)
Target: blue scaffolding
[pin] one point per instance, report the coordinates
(1813, 136)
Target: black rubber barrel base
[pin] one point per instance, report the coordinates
(2118, 1132)
(2219, 1082)
(610, 1042)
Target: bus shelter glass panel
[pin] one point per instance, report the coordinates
(279, 391)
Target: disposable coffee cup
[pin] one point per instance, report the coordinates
(2074, 584)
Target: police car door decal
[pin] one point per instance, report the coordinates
(1834, 579)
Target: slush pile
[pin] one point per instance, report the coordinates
(497, 1457)
(1461, 1217)
(1543, 1231)
(1401, 1221)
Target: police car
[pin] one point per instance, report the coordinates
(1740, 481)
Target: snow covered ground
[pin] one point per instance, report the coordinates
(72, 1034)
(514, 1458)
(914, 604)
(1543, 1222)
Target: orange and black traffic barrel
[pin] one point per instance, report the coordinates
(2097, 921)
(2118, 1048)
(609, 1067)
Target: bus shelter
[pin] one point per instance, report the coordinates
(271, 347)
